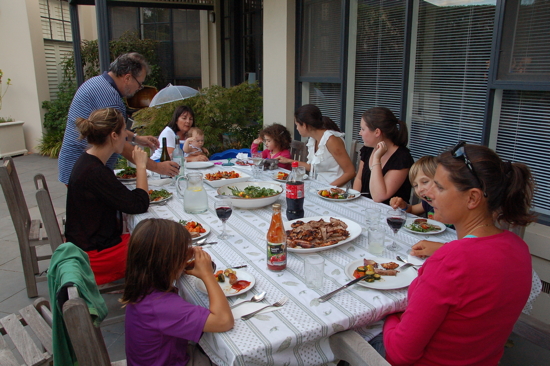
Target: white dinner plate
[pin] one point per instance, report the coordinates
(203, 235)
(403, 278)
(162, 200)
(356, 194)
(222, 182)
(284, 180)
(199, 164)
(430, 221)
(226, 287)
(353, 228)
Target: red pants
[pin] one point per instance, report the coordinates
(110, 264)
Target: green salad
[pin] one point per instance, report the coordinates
(253, 192)
(127, 173)
(422, 227)
(155, 196)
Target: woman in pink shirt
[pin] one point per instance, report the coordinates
(276, 139)
(470, 292)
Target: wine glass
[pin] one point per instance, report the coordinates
(224, 209)
(396, 220)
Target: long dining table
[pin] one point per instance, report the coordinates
(296, 333)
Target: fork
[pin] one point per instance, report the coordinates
(277, 304)
(407, 263)
(346, 194)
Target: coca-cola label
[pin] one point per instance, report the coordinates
(295, 191)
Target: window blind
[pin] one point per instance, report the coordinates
(55, 53)
(328, 98)
(524, 136)
(379, 57)
(450, 85)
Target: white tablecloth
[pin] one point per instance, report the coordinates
(297, 333)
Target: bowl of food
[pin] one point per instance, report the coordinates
(252, 194)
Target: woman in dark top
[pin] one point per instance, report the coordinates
(385, 159)
(96, 198)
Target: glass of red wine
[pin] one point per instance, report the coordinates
(396, 220)
(224, 209)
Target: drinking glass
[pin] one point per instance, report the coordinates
(396, 220)
(376, 240)
(257, 160)
(314, 270)
(224, 209)
(372, 217)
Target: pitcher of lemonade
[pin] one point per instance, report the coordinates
(195, 200)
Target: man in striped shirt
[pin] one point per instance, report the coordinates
(125, 77)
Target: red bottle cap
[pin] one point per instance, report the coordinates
(294, 164)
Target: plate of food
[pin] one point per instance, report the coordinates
(196, 229)
(386, 274)
(424, 226)
(224, 177)
(128, 174)
(282, 176)
(232, 281)
(199, 164)
(337, 194)
(159, 196)
(314, 234)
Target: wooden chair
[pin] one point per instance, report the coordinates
(355, 153)
(87, 341)
(298, 150)
(351, 347)
(36, 317)
(28, 231)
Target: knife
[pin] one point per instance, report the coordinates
(330, 294)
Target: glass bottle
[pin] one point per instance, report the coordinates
(164, 156)
(178, 157)
(276, 241)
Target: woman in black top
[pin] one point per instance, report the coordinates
(96, 198)
(385, 159)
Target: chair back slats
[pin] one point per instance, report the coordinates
(298, 150)
(355, 153)
(41, 329)
(7, 358)
(47, 212)
(23, 342)
(15, 198)
(87, 341)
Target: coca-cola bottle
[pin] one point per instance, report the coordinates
(294, 194)
(276, 241)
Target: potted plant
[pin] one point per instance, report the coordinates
(12, 139)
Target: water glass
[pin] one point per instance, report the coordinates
(376, 240)
(373, 217)
(256, 171)
(314, 270)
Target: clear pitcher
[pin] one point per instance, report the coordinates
(195, 200)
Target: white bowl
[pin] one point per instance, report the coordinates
(252, 202)
(224, 182)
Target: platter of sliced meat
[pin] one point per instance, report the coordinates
(391, 277)
(314, 234)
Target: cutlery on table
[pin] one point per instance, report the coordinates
(346, 194)
(203, 241)
(277, 304)
(331, 294)
(256, 298)
(241, 266)
(407, 263)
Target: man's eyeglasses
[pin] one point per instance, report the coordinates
(140, 84)
(459, 152)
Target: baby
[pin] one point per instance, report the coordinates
(193, 145)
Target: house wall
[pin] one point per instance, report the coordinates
(23, 61)
(279, 62)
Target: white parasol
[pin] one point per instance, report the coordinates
(172, 93)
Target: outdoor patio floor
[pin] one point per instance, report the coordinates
(13, 295)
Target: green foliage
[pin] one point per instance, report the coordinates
(6, 119)
(235, 111)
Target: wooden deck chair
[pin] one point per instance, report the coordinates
(351, 347)
(355, 153)
(87, 341)
(28, 231)
(31, 333)
(47, 212)
(298, 150)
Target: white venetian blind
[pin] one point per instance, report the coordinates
(379, 57)
(56, 52)
(328, 98)
(450, 84)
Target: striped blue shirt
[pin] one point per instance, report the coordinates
(95, 93)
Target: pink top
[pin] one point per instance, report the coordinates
(463, 305)
(266, 154)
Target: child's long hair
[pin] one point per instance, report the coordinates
(279, 134)
(157, 252)
(426, 164)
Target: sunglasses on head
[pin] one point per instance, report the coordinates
(459, 152)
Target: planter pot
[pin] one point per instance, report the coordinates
(12, 139)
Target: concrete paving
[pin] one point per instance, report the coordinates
(13, 295)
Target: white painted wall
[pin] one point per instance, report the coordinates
(279, 62)
(23, 61)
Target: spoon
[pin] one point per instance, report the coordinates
(256, 298)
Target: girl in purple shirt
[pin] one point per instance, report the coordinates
(159, 323)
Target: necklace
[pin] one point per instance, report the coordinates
(477, 227)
